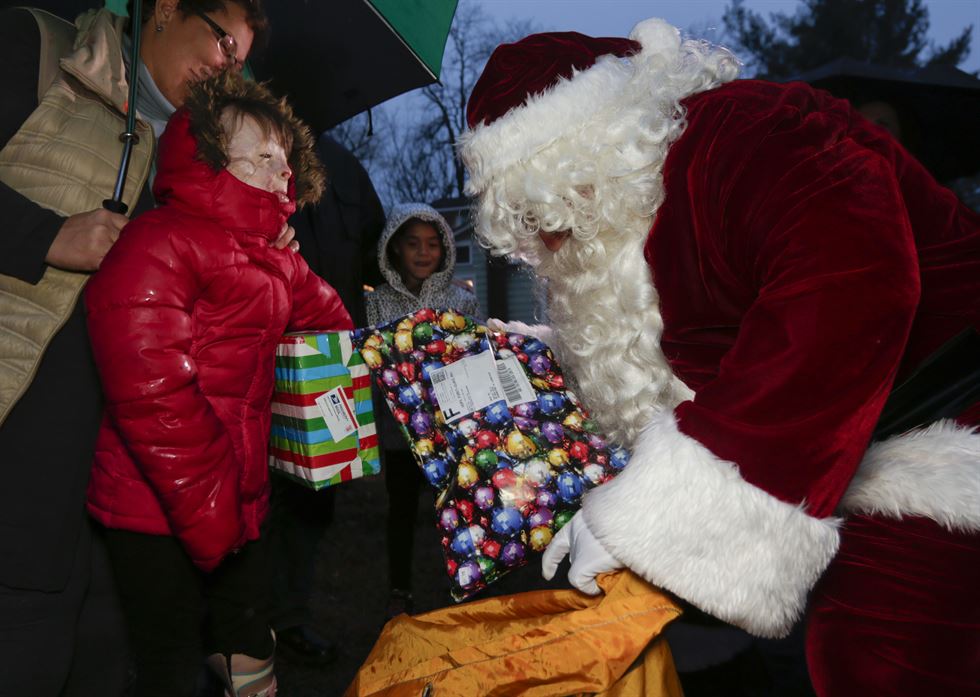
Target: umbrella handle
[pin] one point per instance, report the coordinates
(128, 137)
(115, 204)
(111, 204)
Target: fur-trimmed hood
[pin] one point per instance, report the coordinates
(207, 101)
(188, 184)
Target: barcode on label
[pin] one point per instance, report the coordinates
(512, 391)
(439, 376)
(517, 388)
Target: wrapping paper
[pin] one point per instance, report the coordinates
(508, 476)
(321, 380)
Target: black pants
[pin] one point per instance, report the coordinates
(68, 643)
(177, 614)
(297, 525)
(403, 481)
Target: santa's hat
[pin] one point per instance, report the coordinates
(537, 90)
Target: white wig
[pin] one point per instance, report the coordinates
(595, 168)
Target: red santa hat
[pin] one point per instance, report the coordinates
(537, 90)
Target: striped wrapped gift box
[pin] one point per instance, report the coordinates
(322, 385)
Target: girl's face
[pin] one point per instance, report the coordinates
(254, 157)
(419, 249)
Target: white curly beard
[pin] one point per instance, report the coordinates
(605, 314)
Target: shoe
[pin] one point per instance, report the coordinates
(303, 643)
(399, 603)
(244, 676)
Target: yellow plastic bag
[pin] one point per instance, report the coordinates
(538, 644)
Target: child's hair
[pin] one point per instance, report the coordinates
(207, 101)
(393, 258)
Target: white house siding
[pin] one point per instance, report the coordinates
(523, 300)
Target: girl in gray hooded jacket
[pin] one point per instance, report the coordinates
(417, 256)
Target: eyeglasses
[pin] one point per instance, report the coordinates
(226, 42)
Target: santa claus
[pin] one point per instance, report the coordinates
(738, 272)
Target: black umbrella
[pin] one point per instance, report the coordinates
(335, 59)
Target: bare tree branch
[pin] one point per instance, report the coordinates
(416, 159)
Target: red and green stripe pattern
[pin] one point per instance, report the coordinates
(301, 446)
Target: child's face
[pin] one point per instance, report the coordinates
(254, 157)
(420, 250)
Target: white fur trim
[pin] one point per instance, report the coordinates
(559, 110)
(932, 472)
(538, 331)
(686, 521)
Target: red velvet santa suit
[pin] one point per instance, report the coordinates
(803, 262)
(791, 321)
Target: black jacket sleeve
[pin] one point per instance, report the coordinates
(28, 229)
(339, 236)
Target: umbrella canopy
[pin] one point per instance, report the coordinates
(335, 59)
(936, 105)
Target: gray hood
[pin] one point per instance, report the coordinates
(392, 300)
(436, 284)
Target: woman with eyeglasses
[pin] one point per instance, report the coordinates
(65, 90)
(187, 41)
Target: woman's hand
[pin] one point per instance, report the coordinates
(84, 239)
(285, 239)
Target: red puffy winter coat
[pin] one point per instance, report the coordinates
(184, 316)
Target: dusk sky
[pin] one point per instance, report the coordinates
(701, 18)
(616, 17)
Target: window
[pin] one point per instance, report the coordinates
(463, 252)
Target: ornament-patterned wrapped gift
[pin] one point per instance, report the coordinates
(509, 449)
(323, 430)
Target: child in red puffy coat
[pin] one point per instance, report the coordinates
(184, 316)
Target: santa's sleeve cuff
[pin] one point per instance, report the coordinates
(687, 522)
(929, 472)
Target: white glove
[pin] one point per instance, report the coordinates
(538, 331)
(587, 555)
